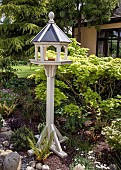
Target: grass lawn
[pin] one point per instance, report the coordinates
(24, 71)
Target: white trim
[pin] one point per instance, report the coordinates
(56, 31)
(44, 32)
(51, 43)
(38, 33)
(63, 33)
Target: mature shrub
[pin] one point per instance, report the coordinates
(20, 138)
(91, 83)
(113, 134)
(6, 71)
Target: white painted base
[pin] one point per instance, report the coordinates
(57, 139)
(62, 154)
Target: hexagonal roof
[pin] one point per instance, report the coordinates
(51, 33)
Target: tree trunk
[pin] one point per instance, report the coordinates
(73, 32)
(79, 30)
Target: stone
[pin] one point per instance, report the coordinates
(30, 168)
(12, 161)
(5, 143)
(112, 167)
(32, 164)
(30, 152)
(1, 146)
(4, 129)
(45, 167)
(38, 166)
(88, 123)
(2, 140)
(79, 167)
(11, 146)
(3, 154)
(6, 135)
(1, 166)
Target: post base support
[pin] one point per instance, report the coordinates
(62, 154)
(57, 139)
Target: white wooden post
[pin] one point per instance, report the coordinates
(44, 52)
(36, 53)
(41, 53)
(66, 52)
(50, 71)
(58, 53)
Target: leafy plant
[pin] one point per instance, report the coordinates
(7, 95)
(115, 158)
(84, 161)
(113, 134)
(6, 110)
(20, 138)
(75, 49)
(75, 117)
(41, 151)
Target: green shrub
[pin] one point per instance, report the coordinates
(91, 83)
(74, 116)
(8, 96)
(113, 134)
(20, 138)
(6, 71)
(75, 50)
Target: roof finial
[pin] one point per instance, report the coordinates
(51, 16)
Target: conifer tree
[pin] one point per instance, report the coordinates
(23, 20)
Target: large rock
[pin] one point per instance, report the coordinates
(6, 134)
(12, 161)
(3, 154)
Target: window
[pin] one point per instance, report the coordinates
(109, 43)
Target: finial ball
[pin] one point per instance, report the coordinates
(51, 15)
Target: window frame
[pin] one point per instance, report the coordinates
(106, 40)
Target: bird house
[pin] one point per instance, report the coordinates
(51, 35)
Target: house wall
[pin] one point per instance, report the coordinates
(89, 36)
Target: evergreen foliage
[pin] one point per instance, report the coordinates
(24, 19)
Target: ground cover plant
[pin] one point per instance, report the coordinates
(87, 100)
